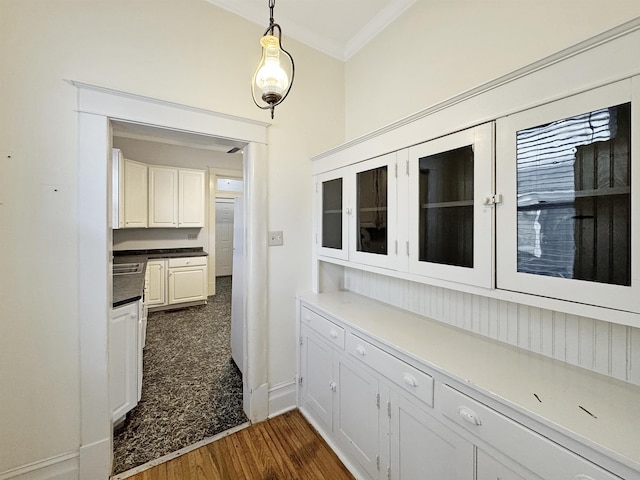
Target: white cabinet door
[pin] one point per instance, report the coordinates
(488, 468)
(163, 196)
(123, 360)
(567, 228)
(422, 448)
(187, 284)
(316, 370)
(134, 194)
(191, 198)
(333, 214)
(156, 283)
(373, 205)
(450, 226)
(356, 413)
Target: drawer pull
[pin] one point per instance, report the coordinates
(333, 386)
(333, 333)
(410, 380)
(469, 416)
(360, 350)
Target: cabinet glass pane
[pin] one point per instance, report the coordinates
(372, 211)
(574, 197)
(332, 213)
(446, 207)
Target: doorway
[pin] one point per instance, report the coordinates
(97, 107)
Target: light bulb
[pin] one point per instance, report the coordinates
(270, 77)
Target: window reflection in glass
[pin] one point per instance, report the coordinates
(446, 207)
(372, 211)
(332, 213)
(574, 197)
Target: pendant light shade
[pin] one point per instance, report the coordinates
(273, 77)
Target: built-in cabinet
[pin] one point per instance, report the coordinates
(390, 413)
(537, 202)
(177, 281)
(157, 196)
(124, 359)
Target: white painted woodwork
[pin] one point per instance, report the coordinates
(191, 198)
(156, 274)
(123, 360)
(593, 344)
(508, 278)
(134, 194)
(163, 197)
(343, 252)
(499, 398)
(422, 447)
(238, 330)
(356, 413)
(316, 371)
(481, 273)
(96, 106)
(488, 468)
(224, 237)
(187, 280)
(117, 189)
(390, 258)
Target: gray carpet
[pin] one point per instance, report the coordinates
(191, 388)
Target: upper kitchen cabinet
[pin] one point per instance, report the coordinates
(567, 228)
(129, 193)
(373, 214)
(332, 225)
(176, 197)
(357, 213)
(191, 198)
(450, 207)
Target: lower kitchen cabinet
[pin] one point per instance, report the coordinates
(175, 281)
(390, 415)
(423, 448)
(124, 360)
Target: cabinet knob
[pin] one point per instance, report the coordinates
(582, 476)
(333, 386)
(361, 351)
(333, 334)
(469, 416)
(410, 380)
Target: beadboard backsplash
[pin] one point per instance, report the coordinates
(606, 348)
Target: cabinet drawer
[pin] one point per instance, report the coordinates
(526, 447)
(187, 261)
(327, 329)
(410, 378)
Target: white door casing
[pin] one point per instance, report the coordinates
(97, 107)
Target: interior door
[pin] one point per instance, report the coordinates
(224, 237)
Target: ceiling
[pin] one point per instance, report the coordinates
(338, 28)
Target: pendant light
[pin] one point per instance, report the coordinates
(271, 82)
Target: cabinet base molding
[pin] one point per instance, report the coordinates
(60, 467)
(177, 306)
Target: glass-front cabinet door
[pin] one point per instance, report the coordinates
(333, 227)
(373, 239)
(450, 210)
(567, 225)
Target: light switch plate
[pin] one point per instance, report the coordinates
(275, 238)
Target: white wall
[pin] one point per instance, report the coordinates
(184, 51)
(440, 48)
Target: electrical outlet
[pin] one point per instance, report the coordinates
(275, 238)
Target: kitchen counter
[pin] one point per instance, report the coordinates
(129, 287)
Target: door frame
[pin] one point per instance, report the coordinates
(97, 107)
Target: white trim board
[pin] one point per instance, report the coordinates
(60, 467)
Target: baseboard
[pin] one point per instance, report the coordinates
(282, 398)
(95, 459)
(60, 467)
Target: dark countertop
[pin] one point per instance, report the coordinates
(129, 287)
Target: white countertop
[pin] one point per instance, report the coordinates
(506, 373)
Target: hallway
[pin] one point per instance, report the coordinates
(191, 388)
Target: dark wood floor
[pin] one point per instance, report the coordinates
(282, 448)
